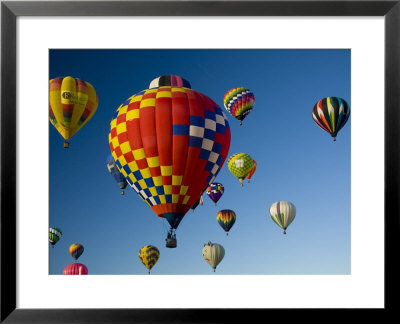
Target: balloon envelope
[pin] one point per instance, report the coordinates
(240, 164)
(282, 213)
(116, 174)
(54, 235)
(215, 191)
(149, 256)
(252, 171)
(331, 114)
(239, 102)
(226, 218)
(76, 250)
(75, 269)
(73, 102)
(213, 253)
(169, 142)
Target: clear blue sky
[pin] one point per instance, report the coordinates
(296, 161)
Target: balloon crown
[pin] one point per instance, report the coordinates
(169, 80)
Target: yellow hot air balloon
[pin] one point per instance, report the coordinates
(72, 104)
(149, 255)
(240, 165)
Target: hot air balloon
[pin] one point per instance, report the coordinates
(282, 213)
(200, 201)
(239, 102)
(72, 103)
(331, 114)
(118, 176)
(240, 164)
(149, 256)
(252, 171)
(75, 269)
(169, 142)
(226, 218)
(213, 253)
(54, 235)
(215, 191)
(76, 250)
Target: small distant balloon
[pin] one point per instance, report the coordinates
(73, 102)
(149, 256)
(331, 114)
(226, 218)
(76, 250)
(252, 171)
(240, 164)
(239, 102)
(283, 214)
(215, 191)
(213, 253)
(54, 235)
(75, 269)
(116, 174)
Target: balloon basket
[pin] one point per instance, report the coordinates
(122, 192)
(334, 139)
(66, 145)
(240, 123)
(226, 233)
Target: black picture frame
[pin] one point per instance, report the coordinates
(10, 10)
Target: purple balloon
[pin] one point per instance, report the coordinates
(215, 191)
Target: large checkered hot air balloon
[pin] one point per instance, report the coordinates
(331, 114)
(170, 142)
(72, 103)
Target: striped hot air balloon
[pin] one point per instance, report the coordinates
(226, 218)
(149, 256)
(73, 102)
(54, 235)
(239, 102)
(240, 164)
(169, 142)
(75, 269)
(282, 213)
(331, 114)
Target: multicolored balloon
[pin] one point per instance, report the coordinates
(169, 142)
(118, 176)
(240, 164)
(282, 213)
(75, 269)
(215, 191)
(252, 171)
(54, 235)
(73, 102)
(149, 256)
(331, 114)
(226, 218)
(76, 250)
(213, 253)
(239, 102)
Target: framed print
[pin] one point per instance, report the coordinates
(288, 53)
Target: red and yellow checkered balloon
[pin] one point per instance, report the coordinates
(169, 142)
